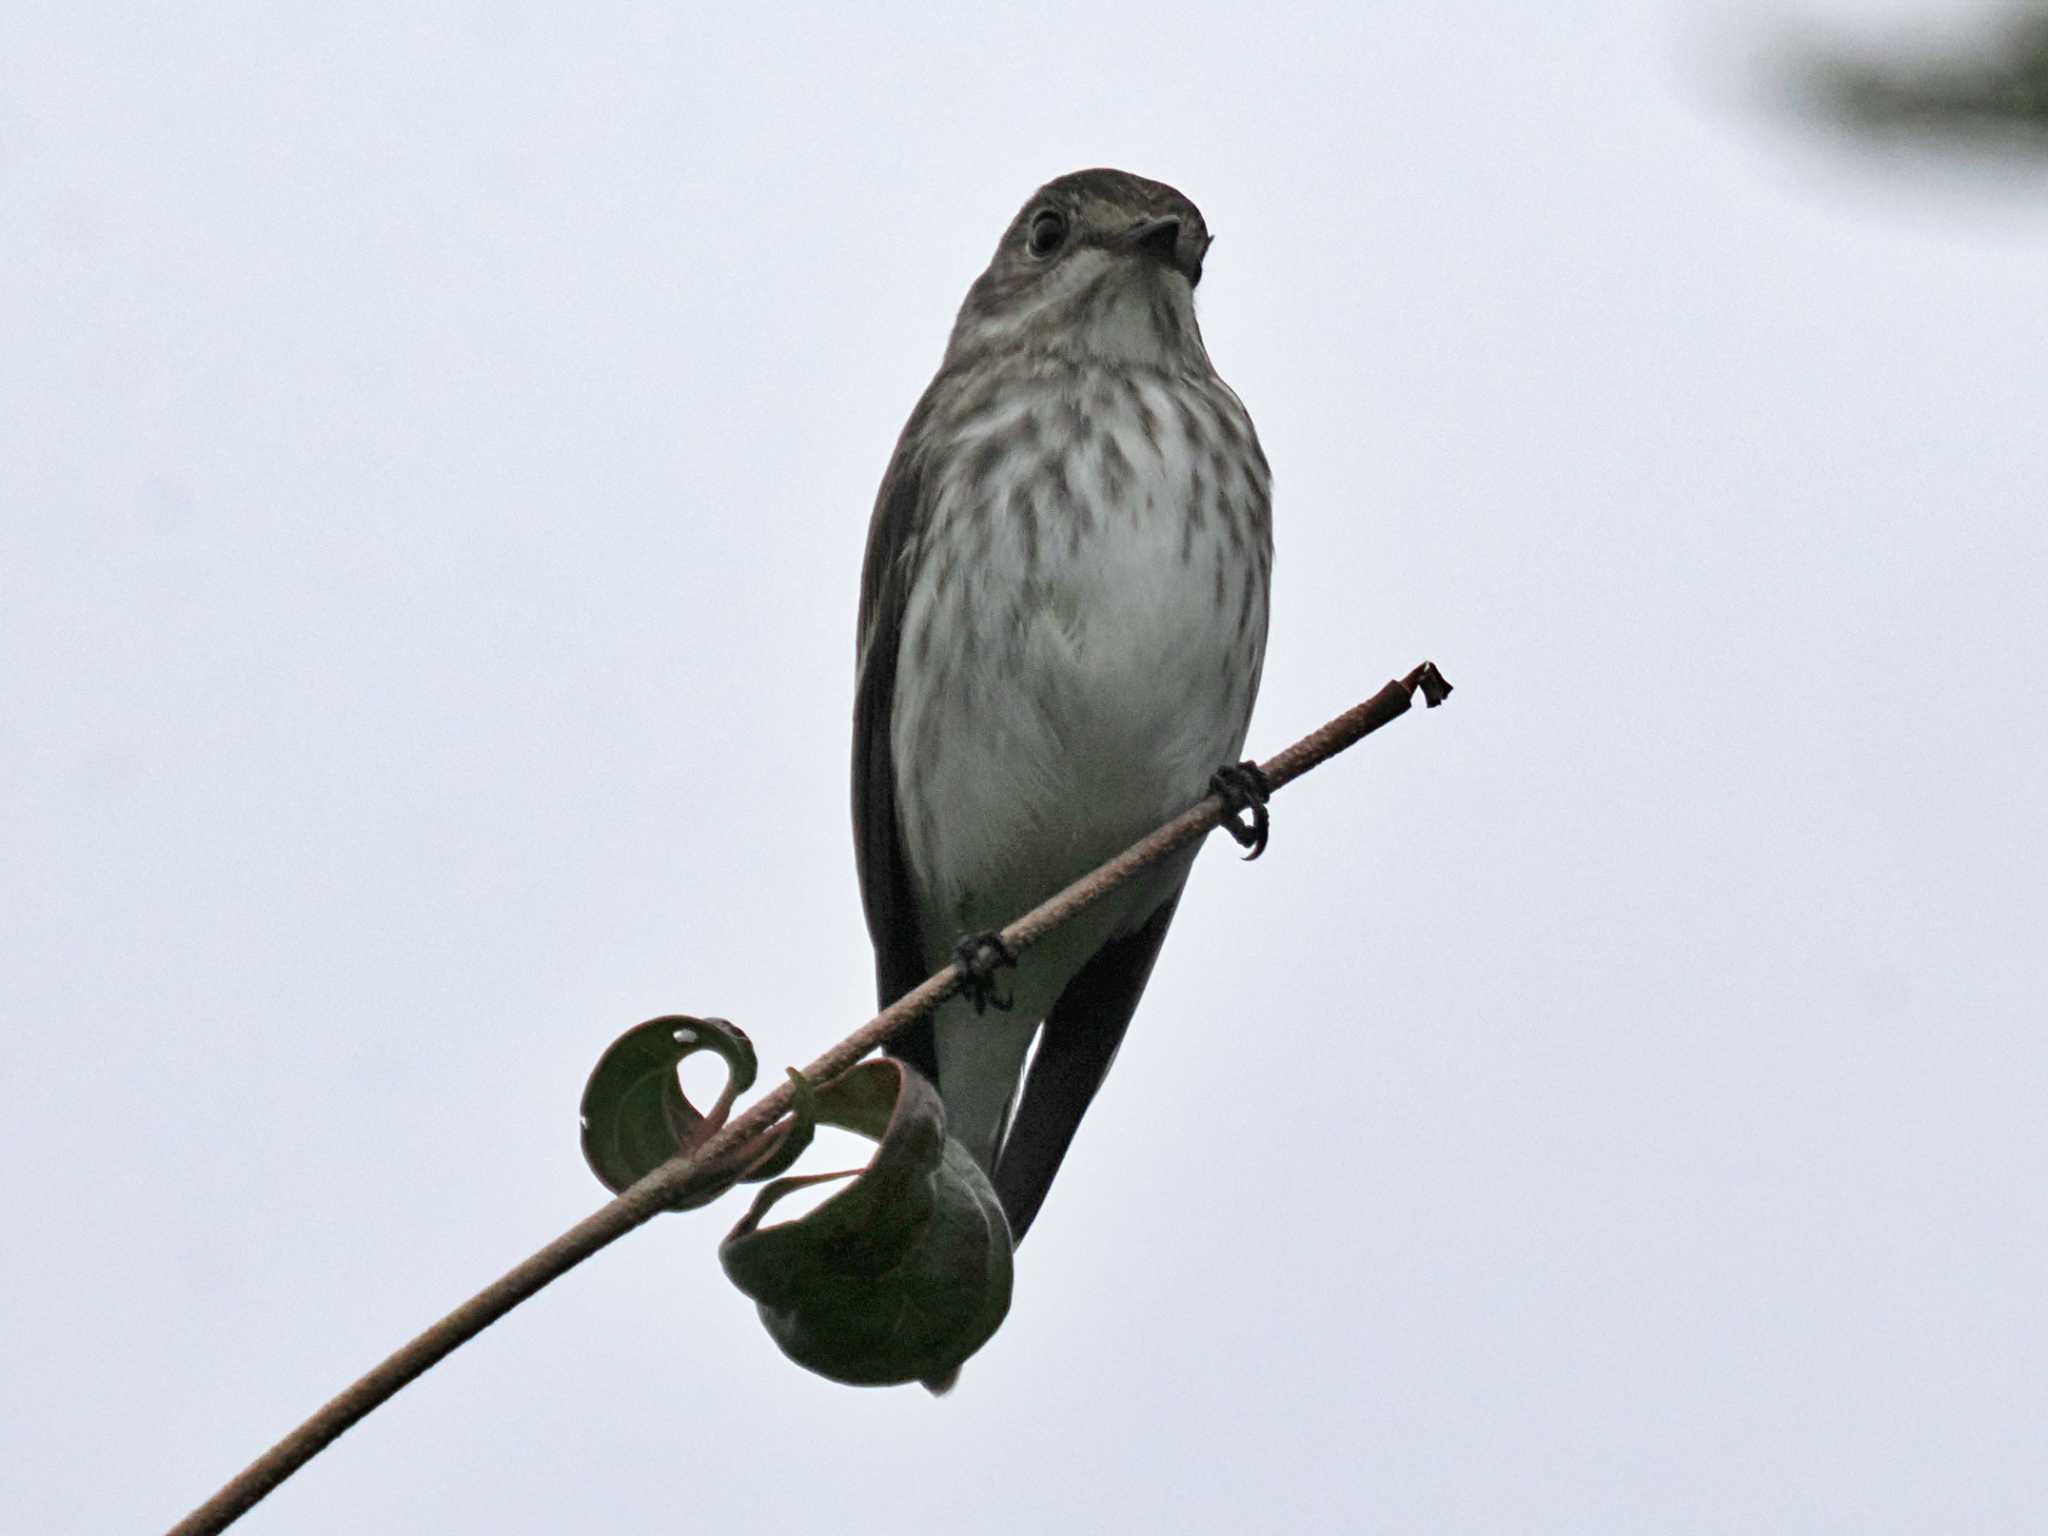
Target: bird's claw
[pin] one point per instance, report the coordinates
(1244, 790)
(980, 956)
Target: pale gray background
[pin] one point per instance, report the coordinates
(435, 451)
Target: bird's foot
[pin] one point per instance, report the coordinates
(1245, 791)
(980, 956)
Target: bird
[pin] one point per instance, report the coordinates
(1061, 631)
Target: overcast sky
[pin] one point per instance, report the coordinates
(435, 455)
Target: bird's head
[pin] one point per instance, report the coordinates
(1096, 264)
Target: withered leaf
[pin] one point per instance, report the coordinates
(900, 1276)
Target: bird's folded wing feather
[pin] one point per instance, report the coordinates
(1079, 1042)
(894, 921)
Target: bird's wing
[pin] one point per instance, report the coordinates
(1081, 1037)
(894, 921)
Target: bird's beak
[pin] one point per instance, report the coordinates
(1173, 243)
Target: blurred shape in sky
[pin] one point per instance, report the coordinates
(1992, 96)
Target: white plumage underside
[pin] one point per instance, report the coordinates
(1106, 686)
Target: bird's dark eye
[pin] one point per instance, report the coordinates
(1048, 231)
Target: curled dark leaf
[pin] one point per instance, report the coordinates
(786, 1141)
(900, 1276)
(635, 1114)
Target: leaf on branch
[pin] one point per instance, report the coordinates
(900, 1276)
(635, 1113)
(783, 1144)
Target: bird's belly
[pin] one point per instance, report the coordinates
(1095, 685)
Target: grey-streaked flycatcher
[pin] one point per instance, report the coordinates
(1062, 624)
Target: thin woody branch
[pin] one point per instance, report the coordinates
(740, 1140)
